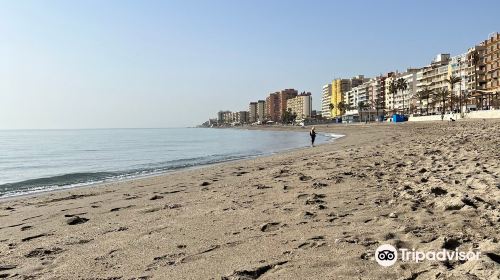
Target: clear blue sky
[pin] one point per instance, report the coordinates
(86, 64)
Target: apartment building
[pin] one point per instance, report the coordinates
(301, 105)
(276, 103)
(228, 117)
(242, 117)
(273, 107)
(224, 117)
(261, 110)
(252, 110)
(339, 87)
(458, 68)
(434, 75)
(403, 101)
(326, 98)
(476, 69)
(376, 93)
(492, 61)
(357, 101)
(357, 94)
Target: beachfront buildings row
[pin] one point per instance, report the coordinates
(277, 107)
(279, 103)
(471, 80)
(228, 117)
(257, 111)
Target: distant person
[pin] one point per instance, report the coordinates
(312, 133)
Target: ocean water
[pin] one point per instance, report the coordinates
(40, 160)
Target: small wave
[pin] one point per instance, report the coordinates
(333, 136)
(59, 180)
(86, 178)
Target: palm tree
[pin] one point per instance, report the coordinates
(495, 101)
(361, 106)
(452, 80)
(402, 85)
(425, 93)
(343, 107)
(377, 104)
(428, 94)
(442, 96)
(454, 99)
(421, 96)
(393, 89)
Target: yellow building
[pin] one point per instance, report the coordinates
(336, 98)
(339, 86)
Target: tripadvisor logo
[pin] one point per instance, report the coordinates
(386, 255)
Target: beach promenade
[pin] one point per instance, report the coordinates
(312, 213)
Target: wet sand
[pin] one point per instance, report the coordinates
(314, 213)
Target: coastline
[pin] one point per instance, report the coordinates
(310, 212)
(165, 172)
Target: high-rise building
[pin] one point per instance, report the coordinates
(433, 77)
(224, 117)
(476, 69)
(301, 105)
(357, 94)
(261, 110)
(402, 101)
(458, 68)
(242, 117)
(276, 103)
(273, 107)
(492, 61)
(326, 100)
(358, 105)
(376, 94)
(339, 87)
(252, 109)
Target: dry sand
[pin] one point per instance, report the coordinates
(314, 213)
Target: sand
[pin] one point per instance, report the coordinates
(313, 213)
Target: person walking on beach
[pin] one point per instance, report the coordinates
(312, 133)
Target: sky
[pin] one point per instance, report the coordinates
(133, 64)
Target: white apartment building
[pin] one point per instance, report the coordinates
(326, 100)
(433, 76)
(353, 98)
(402, 101)
(357, 94)
(458, 67)
(376, 94)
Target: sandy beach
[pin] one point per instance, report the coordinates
(313, 213)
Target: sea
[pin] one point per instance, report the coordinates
(33, 161)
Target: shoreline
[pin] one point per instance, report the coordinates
(329, 139)
(312, 213)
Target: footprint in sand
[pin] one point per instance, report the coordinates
(267, 227)
(252, 273)
(42, 252)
